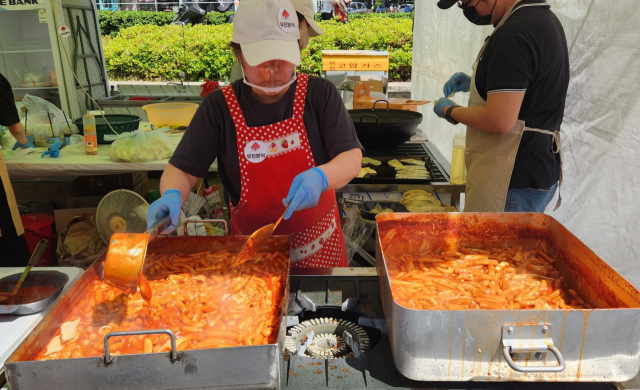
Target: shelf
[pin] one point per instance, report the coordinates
(32, 88)
(25, 51)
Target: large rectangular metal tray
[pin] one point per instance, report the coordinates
(247, 367)
(597, 345)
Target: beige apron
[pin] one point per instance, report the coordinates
(489, 158)
(11, 199)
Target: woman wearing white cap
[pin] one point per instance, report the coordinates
(280, 138)
(306, 24)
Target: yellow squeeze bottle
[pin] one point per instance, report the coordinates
(458, 167)
(90, 136)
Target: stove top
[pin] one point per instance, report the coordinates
(320, 300)
(386, 174)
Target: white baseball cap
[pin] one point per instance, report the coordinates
(306, 8)
(267, 30)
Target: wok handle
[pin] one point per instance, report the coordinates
(369, 115)
(506, 351)
(381, 100)
(174, 349)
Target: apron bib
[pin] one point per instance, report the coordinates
(270, 158)
(11, 199)
(489, 158)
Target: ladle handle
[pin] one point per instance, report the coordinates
(159, 226)
(35, 256)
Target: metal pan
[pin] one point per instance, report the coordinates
(384, 129)
(364, 209)
(53, 280)
(581, 345)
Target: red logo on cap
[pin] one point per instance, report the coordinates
(255, 146)
(285, 14)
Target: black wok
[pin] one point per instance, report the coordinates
(384, 129)
(364, 208)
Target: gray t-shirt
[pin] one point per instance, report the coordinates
(212, 134)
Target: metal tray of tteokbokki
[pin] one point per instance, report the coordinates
(502, 296)
(206, 323)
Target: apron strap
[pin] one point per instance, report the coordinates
(556, 147)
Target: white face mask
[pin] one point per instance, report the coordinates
(269, 90)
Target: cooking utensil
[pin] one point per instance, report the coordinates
(125, 256)
(35, 256)
(216, 367)
(47, 284)
(384, 129)
(257, 240)
(595, 344)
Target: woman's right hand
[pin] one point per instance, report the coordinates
(459, 82)
(170, 203)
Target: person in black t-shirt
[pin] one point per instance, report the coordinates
(13, 247)
(516, 105)
(282, 140)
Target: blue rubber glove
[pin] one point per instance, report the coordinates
(459, 82)
(305, 190)
(169, 203)
(440, 105)
(54, 151)
(23, 146)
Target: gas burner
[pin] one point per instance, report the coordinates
(326, 345)
(327, 338)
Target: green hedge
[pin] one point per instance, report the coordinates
(156, 52)
(352, 17)
(111, 22)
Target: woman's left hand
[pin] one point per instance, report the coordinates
(305, 190)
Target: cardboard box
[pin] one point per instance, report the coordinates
(92, 185)
(377, 83)
(83, 201)
(101, 185)
(362, 100)
(46, 189)
(63, 216)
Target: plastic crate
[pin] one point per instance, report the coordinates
(122, 123)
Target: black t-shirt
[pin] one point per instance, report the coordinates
(212, 133)
(8, 112)
(529, 54)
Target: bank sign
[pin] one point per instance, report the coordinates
(17, 5)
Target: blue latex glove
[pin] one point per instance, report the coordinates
(305, 190)
(23, 146)
(170, 203)
(440, 105)
(459, 82)
(54, 151)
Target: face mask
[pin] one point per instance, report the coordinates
(304, 37)
(472, 14)
(269, 90)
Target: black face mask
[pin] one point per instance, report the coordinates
(472, 14)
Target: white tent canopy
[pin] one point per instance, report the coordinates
(601, 129)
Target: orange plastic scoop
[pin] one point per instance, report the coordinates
(125, 258)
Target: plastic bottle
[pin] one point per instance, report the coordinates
(90, 136)
(458, 167)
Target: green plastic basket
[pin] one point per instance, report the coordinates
(122, 123)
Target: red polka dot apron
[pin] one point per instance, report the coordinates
(270, 158)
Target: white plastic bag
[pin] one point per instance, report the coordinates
(75, 146)
(140, 146)
(43, 119)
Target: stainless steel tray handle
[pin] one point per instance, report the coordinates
(506, 351)
(174, 349)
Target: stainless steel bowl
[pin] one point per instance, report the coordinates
(34, 279)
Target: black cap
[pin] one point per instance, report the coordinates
(446, 4)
